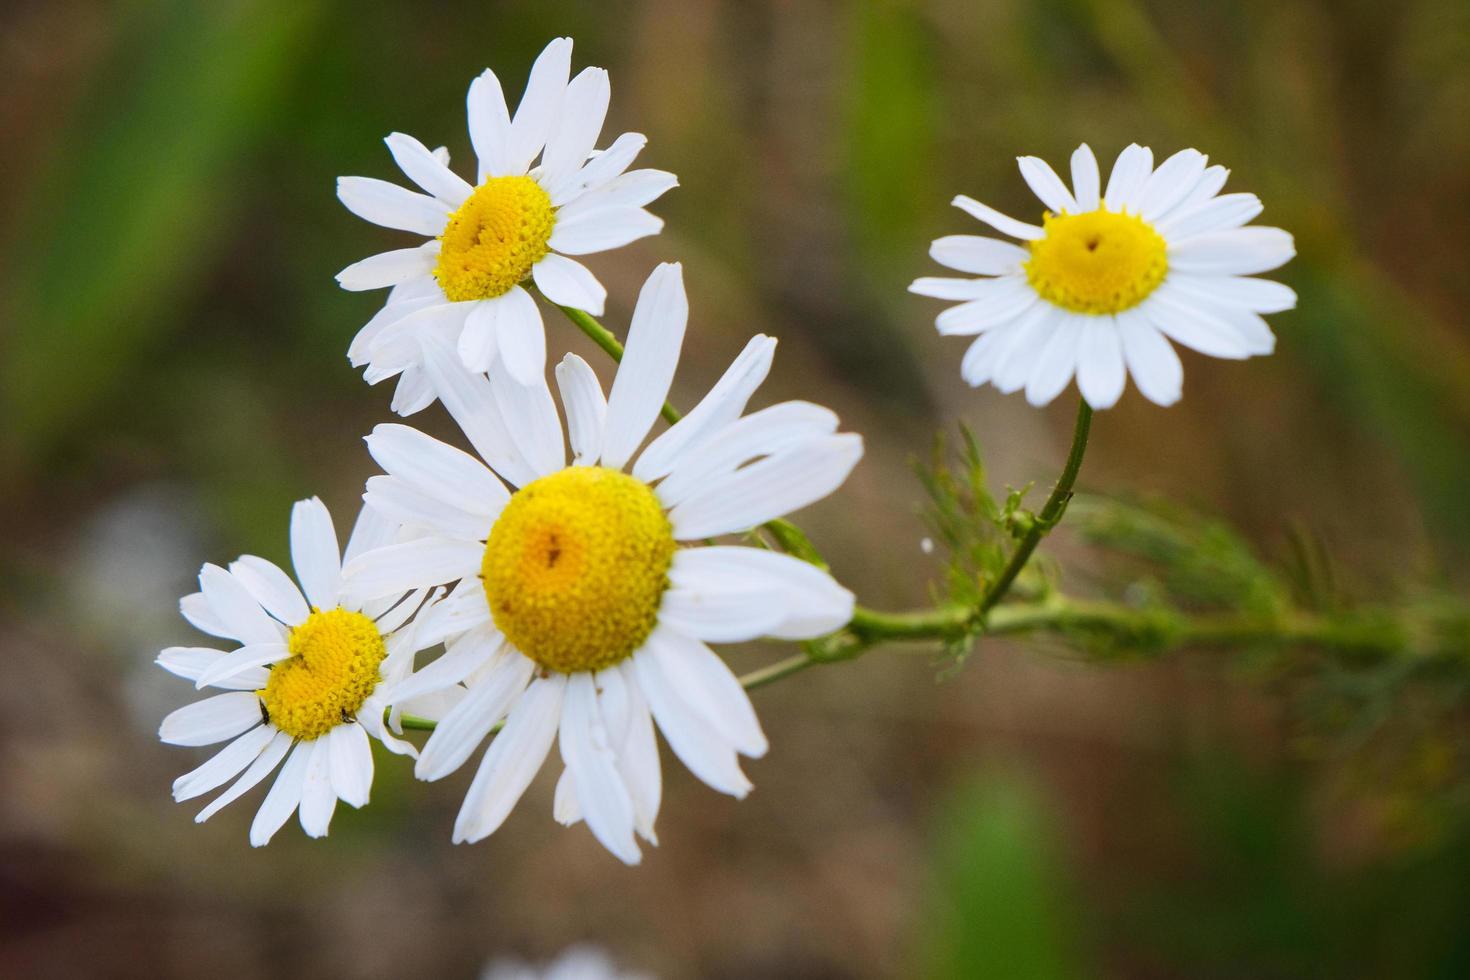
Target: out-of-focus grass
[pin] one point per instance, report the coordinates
(134, 200)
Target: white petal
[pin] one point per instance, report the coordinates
(792, 598)
(315, 553)
(236, 609)
(351, 760)
(459, 660)
(246, 658)
(764, 433)
(1152, 361)
(390, 268)
(1130, 171)
(462, 730)
(586, 408)
(1008, 299)
(634, 189)
(600, 170)
(1253, 330)
(224, 765)
(397, 344)
(392, 206)
(1085, 179)
(190, 662)
(402, 503)
(264, 764)
(580, 123)
(1194, 328)
(437, 469)
(272, 588)
(478, 343)
(978, 254)
(540, 105)
(520, 336)
(692, 737)
(212, 720)
(1045, 184)
(283, 798)
(996, 220)
(1209, 184)
(649, 359)
(1058, 360)
(565, 809)
(603, 229)
(411, 565)
(1170, 184)
(512, 761)
(1257, 295)
(423, 168)
(1234, 252)
(196, 609)
(1217, 214)
(706, 683)
(489, 122)
(982, 356)
(566, 282)
(414, 392)
(462, 610)
(1032, 331)
(530, 416)
(467, 397)
(1100, 373)
(638, 761)
(948, 287)
(769, 488)
(724, 403)
(589, 756)
(318, 801)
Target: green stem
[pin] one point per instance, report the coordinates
(1051, 513)
(604, 338)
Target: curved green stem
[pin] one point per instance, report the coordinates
(1050, 515)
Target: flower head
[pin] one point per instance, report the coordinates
(306, 685)
(1095, 290)
(517, 223)
(583, 604)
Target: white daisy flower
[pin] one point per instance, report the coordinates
(582, 613)
(519, 222)
(1108, 275)
(576, 963)
(310, 674)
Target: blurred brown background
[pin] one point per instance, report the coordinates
(172, 377)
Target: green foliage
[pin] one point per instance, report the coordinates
(998, 906)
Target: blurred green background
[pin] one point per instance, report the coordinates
(172, 376)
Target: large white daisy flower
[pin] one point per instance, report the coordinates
(1108, 275)
(519, 222)
(581, 613)
(311, 673)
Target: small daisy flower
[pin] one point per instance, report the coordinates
(575, 963)
(582, 610)
(1110, 277)
(518, 222)
(306, 686)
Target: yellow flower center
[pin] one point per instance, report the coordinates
(332, 669)
(575, 567)
(493, 240)
(1097, 262)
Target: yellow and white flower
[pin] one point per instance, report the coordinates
(306, 685)
(1095, 290)
(517, 223)
(582, 611)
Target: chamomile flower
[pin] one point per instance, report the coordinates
(306, 686)
(583, 962)
(518, 223)
(584, 603)
(1110, 277)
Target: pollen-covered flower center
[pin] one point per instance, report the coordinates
(575, 567)
(332, 670)
(1097, 262)
(493, 240)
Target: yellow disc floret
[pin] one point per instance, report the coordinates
(575, 567)
(493, 240)
(332, 669)
(1097, 262)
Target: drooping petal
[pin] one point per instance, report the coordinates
(512, 761)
